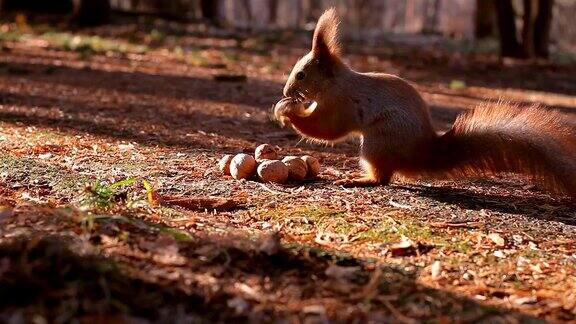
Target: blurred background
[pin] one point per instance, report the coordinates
(513, 28)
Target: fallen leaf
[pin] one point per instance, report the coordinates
(398, 205)
(457, 84)
(125, 147)
(405, 247)
(314, 309)
(524, 300)
(499, 254)
(497, 239)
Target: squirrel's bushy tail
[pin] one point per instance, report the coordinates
(502, 137)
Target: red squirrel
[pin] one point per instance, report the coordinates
(397, 136)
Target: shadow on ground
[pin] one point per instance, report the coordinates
(165, 111)
(550, 209)
(63, 277)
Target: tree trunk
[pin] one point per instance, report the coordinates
(53, 6)
(529, 22)
(210, 10)
(408, 14)
(273, 12)
(542, 28)
(509, 44)
(485, 19)
(247, 11)
(431, 10)
(313, 10)
(91, 12)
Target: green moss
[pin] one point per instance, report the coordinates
(11, 35)
(310, 219)
(26, 170)
(313, 218)
(178, 235)
(89, 45)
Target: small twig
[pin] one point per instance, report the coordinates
(276, 192)
(455, 224)
(398, 205)
(345, 189)
(401, 317)
(370, 290)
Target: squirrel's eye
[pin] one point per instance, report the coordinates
(300, 75)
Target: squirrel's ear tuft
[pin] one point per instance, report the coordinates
(325, 41)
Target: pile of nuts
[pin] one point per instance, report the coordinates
(266, 165)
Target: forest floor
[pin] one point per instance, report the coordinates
(112, 208)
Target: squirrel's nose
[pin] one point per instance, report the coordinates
(288, 91)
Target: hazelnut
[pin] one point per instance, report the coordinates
(297, 168)
(273, 171)
(265, 152)
(313, 165)
(242, 166)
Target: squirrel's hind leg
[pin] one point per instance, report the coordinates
(375, 175)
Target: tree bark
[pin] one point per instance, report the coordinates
(273, 12)
(509, 44)
(210, 10)
(529, 22)
(485, 19)
(53, 6)
(247, 11)
(431, 10)
(91, 12)
(313, 10)
(542, 28)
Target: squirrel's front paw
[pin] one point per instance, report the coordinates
(283, 108)
(290, 107)
(357, 182)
